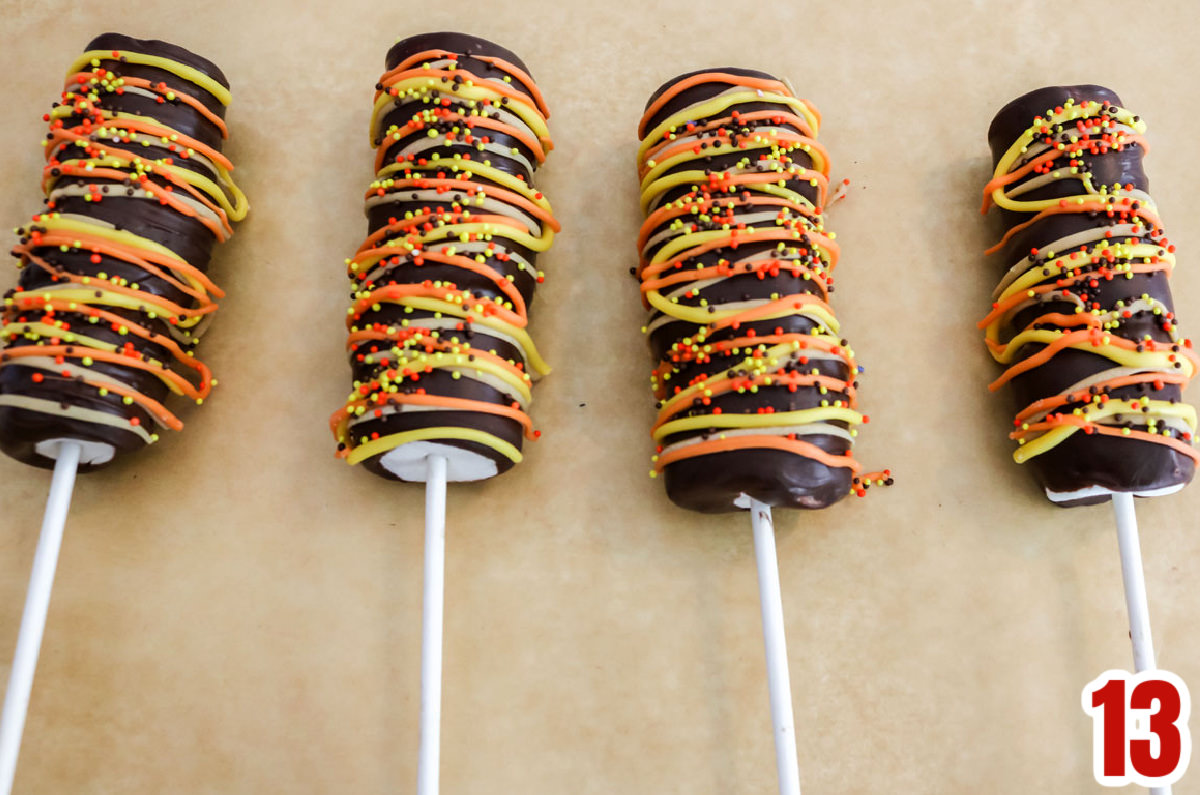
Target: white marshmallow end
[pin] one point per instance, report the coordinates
(410, 462)
(1097, 491)
(91, 454)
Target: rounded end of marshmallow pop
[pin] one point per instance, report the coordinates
(1094, 495)
(451, 41)
(726, 482)
(693, 94)
(34, 439)
(1015, 117)
(1086, 470)
(93, 454)
(162, 49)
(409, 463)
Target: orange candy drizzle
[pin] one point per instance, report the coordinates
(151, 261)
(521, 75)
(81, 79)
(759, 84)
(142, 258)
(1094, 335)
(713, 197)
(388, 247)
(778, 117)
(463, 183)
(396, 293)
(470, 122)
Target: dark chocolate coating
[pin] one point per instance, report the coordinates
(463, 44)
(163, 49)
(177, 115)
(21, 429)
(402, 269)
(697, 93)
(711, 483)
(467, 48)
(1086, 460)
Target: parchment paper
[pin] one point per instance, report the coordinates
(238, 612)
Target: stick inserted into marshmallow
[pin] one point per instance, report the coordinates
(442, 358)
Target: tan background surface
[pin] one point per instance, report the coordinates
(238, 612)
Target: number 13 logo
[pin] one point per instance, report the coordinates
(1139, 728)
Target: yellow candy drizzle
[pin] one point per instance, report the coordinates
(103, 144)
(491, 209)
(1052, 149)
(710, 216)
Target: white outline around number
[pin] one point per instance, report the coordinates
(1133, 731)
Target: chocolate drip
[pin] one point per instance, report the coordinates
(99, 310)
(1087, 459)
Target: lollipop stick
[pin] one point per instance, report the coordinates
(778, 682)
(1135, 591)
(1135, 582)
(431, 627)
(37, 603)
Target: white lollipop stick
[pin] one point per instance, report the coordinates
(1135, 591)
(778, 682)
(37, 604)
(1135, 582)
(431, 627)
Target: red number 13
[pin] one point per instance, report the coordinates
(1139, 728)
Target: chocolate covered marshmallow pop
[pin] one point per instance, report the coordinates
(1083, 320)
(442, 360)
(99, 334)
(756, 388)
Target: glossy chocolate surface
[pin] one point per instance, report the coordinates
(1086, 460)
(712, 483)
(21, 429)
